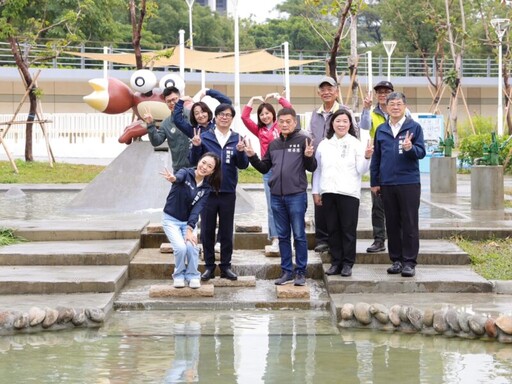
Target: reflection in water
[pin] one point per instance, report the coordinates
(52, 205)
(245, 347)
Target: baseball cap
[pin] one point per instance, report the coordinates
(327, 79)
(384, 84)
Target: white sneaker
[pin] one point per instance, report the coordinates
(179, 283)
(275, 245)
(194, 283)
(217, 248)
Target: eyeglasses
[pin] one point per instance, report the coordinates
(225, 115)
(384, 92)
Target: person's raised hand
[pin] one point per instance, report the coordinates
(407, 143)
(196, 139)
(147, 117)
(168, 175)
(310, 149)
(274, 95)
(369, 150)
(367, 101)
(248, 147)
(240, 146)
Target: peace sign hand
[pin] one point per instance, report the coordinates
(241, 144)
(310, 149)
(367, 101)
(248, 148)
(168, 175)
(196, 140)
(407, 144)
(369, 150)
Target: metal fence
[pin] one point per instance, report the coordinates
(400, 66)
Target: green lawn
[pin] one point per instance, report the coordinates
(492, 258)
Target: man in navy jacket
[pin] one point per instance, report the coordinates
(395, 175)
(227, 145)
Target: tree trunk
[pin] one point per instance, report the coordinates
(137, 30)
(24, 72)
(331, 62)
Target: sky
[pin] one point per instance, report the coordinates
(261, 9)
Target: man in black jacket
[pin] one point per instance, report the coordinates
(289, 157)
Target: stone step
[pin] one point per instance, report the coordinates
(103, 301)
(61, 279)
(441, 252)
(135, 296)
(81, 252)
(71, 230)
(149, 263)
(373, 278)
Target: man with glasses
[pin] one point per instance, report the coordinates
(318, 126)
(370, 120)
(395, 175)
(228, 145)
(178, 142)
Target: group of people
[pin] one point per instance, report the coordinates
(207, 155)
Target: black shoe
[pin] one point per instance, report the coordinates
(322, 247)
(395, 269)
(286, 277)
(228, 274)
(208, 274)
(408, 271)
(346, 271)
(300, 280)
(377, 246)
(333, 270)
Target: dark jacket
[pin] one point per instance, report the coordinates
(185, 199)
(391, 165)
(179, 143)
(285, 157)
(231, 159)
(183, 123)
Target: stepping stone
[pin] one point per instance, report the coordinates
(166, 248)
(292, 292)
(168, 290)
(270, 253)
(154, 228)
(248, 228)
(242, 281)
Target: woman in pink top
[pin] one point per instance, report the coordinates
(266, 130)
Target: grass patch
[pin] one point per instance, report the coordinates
(492, 258)
(7, 237)
(35, 172)
(251, 175)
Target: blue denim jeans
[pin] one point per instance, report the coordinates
(272, 231)
(289, 215)
(186, 255)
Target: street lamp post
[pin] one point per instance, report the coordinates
(500, 26)
(390, 47)
(190, 3)
(237, 61)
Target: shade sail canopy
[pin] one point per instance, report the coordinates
(223, 62)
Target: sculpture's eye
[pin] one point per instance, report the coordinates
(172, 80)
(143, 81)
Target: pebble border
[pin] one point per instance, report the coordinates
(408, 319)
(49, 319)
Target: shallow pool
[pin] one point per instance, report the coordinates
(245, 347)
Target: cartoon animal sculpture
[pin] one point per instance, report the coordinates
(112, 96)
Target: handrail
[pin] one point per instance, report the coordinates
(400, 66)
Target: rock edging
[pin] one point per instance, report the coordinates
(50, 319)
(408, 319)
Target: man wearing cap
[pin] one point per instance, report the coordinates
(370, 120)
(318, 127)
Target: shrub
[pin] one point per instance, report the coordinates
(472, 147)
(481, 124)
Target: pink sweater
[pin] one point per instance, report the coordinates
(265, 135)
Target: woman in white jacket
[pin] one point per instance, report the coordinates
(342, 160)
